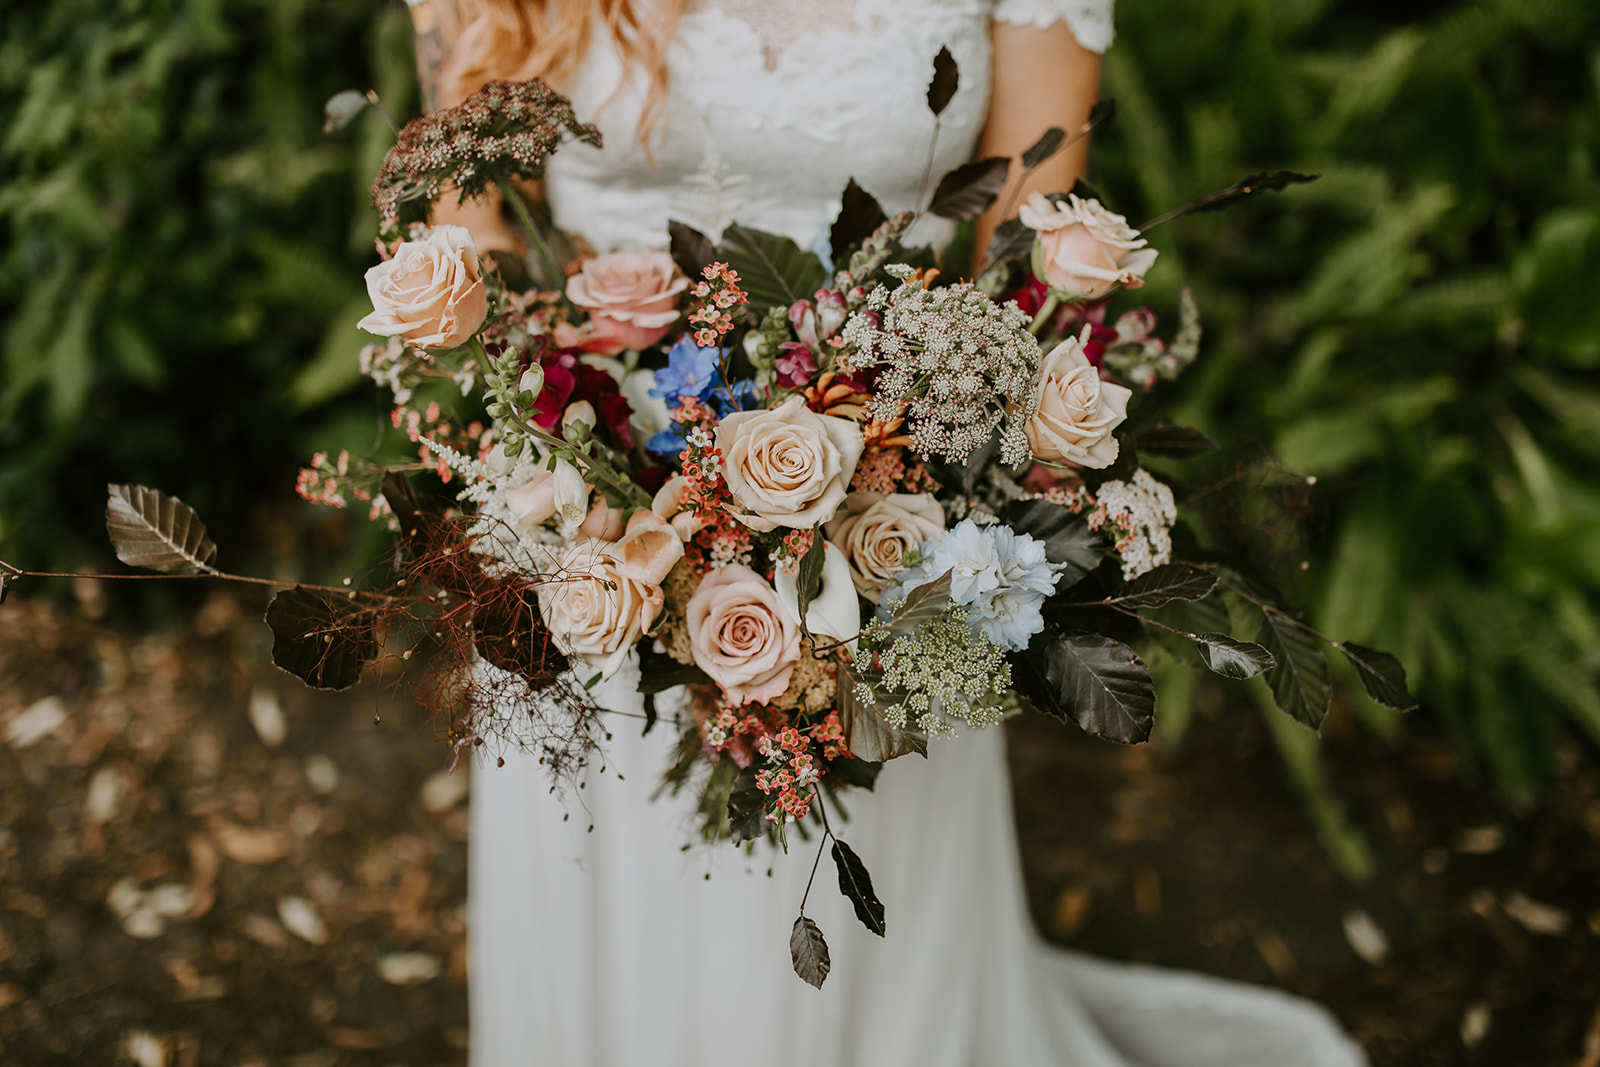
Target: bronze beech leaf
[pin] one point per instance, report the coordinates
(150, 529)
(809, 952)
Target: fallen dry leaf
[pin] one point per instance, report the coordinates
(1366, 937)
(41, 719)
(409, 968)
(249, 844)
(1536, 917)
(300, 917)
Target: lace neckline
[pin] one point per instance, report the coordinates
(777, 24)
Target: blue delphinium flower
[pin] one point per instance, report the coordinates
(690, 371)
(695, 371)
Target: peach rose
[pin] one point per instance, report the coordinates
(668, 507)
(1077, 411)
(632, 298)
(605, 596)
(741, 635)
(430, 292)
(788, 466)
(1085, 251)
(876, 531)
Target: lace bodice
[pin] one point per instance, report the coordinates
(775, 104)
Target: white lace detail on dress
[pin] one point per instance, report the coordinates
(779, 23)
(1090, 19)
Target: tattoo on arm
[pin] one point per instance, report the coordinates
(432, 24)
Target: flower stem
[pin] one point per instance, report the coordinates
(593, 471)
(520, 206)
(1051, 302)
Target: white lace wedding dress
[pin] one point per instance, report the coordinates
(620, 946)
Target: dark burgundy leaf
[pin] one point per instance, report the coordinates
(1045, 147)
(322, 638)
(1231, 658)
(859, 215)
(1066, 536)
(867, 734)
(963, 477)
(1173, 581)
(1383, 676)
(849, 770)
(747, 818)
(510, 633)
(966, 192)
(1011, 240)
(1084, 191)
(808, 580)
(691, 250)
(1301, 685)
(856, 883)
(1244, 189)
(923, 605)
(809, 952)
(946, 77)
(1179, 442)
(1096, 682)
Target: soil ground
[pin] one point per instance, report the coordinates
(203, 862)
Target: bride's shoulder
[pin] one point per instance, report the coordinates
(1090, 20)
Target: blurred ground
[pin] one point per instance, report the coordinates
(203, 862)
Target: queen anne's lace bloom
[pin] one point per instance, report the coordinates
(955, 366)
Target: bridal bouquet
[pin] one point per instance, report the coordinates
(847, 504)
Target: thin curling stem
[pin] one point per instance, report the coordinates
(520, 206)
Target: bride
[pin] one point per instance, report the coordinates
(599, 937)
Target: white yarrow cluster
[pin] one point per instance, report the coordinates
(1143, 512)
(956, 366)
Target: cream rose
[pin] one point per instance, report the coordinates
(1085, 251)
(605, 596)
(632, 298)
(430, 292)
(1077, 411)
(788, 466)
(876, 531)
(741, 635)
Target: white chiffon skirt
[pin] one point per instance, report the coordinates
(612, 948)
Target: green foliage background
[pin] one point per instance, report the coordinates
(181, 251)
(180, 255)
(1419, 330)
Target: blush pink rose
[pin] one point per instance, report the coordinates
(1077, 411)
(788, 466)
(631, 297)
(430, 292)
(741, 635)
(603, 597)
(1084, 251)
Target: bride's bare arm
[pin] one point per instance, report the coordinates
(1042, 78)
(435, 25)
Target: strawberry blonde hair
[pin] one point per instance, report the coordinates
(522, 39)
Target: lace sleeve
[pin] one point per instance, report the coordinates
(1090, 19)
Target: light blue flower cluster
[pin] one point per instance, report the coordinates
(1000, 576)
